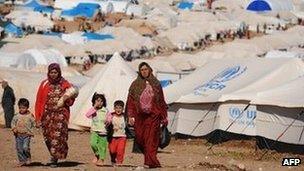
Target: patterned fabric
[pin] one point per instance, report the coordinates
(55, 124)
(119, 126)
(99, 120)
(146, 98)
(24, 124)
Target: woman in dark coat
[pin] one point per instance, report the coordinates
(147, 109)
(8, 102)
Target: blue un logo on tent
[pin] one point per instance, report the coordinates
(218, 82)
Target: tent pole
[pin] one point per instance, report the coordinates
(282, 133)
(202, 120)
(233, 122)
(301, 134)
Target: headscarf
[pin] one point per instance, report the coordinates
(138, 85)
(51, 67)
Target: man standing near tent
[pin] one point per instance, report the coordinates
(147, 109)
(8, 102)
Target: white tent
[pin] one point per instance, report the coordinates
(8, 59)
(283, 54)
(136, 10)
(210, 99)
(69, 4)
(120, 6)
(25, 84)
(113, 81)
(287, 95)
(32, 58)
(106, 6)
(210, 82)
(30, 18)
(35, 57)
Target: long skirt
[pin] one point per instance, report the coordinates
(55, 132)
(147, 130)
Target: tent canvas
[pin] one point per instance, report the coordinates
(25, 84)
(107, 81)
(216, 104)
(287, 95)
(224, 76)
(256, 120)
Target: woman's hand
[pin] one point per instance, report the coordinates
(131, 121)
(38, 124)
(164, 122)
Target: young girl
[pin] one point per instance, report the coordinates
(98, 113)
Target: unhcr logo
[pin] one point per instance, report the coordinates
(218, 82)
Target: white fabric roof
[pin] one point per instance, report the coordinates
(25, 83)
(30, 18)
(281, 54)
(32, 58)
(68, 4)
(288, 95)
(136, 10)
(254, 19)
(113, 80)
(226, 76)
(120, 6)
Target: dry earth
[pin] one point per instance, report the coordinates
(179, 155)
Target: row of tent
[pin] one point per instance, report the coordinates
(260, 94)
(243, 96)
(31, 59)
(250, 5)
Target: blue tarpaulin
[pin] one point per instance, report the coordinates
(165, 83)
(82, 9)
(44, 9)
(38, 7)
(185, 5)
(33, 4)
(52, 34)
(258, 6)
(13, 29)
(96, 36)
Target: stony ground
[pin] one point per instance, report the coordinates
(179, 155)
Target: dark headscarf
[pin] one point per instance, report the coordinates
(138, 85)
(51, 67)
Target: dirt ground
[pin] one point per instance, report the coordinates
(179, 155)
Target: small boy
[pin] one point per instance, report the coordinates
(118, 140)
(23, 124)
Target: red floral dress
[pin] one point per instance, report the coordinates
(55, 123)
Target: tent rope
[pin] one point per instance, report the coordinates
(299, 115)
(202, 119)
(233, 122)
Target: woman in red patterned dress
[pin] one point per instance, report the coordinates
(53, 118)
(147, 109)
